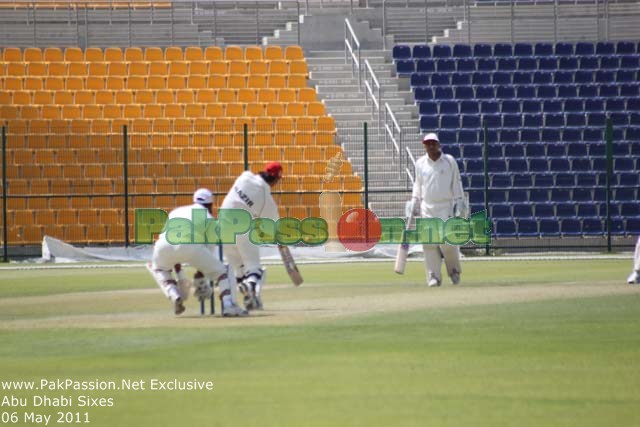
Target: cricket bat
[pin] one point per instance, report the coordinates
(290, 265)
(403, 250)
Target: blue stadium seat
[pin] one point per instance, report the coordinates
(570, 227)
(587, 91)
(573, 105)
(469, 107)
(512, 151)
(608, 91)
(583, 77)
(454, 150)
(543, 49)
(599, 164)
(586, 210)
(429, 123)
(565, 179)
(593, 105)
(586, 180)
(474, 166)
(568, 63)
(505, 92)
(517, 165)
(486, 64)
(567, 91)
(525, 92)
(470, 121)
(405, 66)
(633, 134)
(497, 165)
(425, 66)
(445, 65)
(401, 52)
(625, 48)
(450, 121)
(549, 227)
(527, 227)
(482, 50)
(620, 149)
(419, 79)
(564, 209)
(507, 64)
(603, 76)
(619, 119)
(530, 135)
(527, 64)
(614, 105)
(577, 149)
(466, 65)
(440, 79)
(550, 64)
(564, 49)
(580, 165)
(530, 106)
(448, 137)
(461, 50)
(489, 107)
(559, 165)
(443, 93)
(538, 165)
(629, 179)
(501, 181)
(617, 227)
(544, 180)
(546, 92)
(582, 195)
(428, 108)
(535, 150)
(423, 93)
(532, 121)
(522, 180)
(542, 77)
(625, 76)
(629, 90)
(560, 77)
(596, 149)
(484, 92)
(421, 51)
(609, 63)
(571, 135)
(630, 210)
(624, 164)
(495, 151)
(511, 120)
(633, 226)
(476, 198)
(575, 119)
(552, 106)
(554, 120)
(468, 137)
(629, 62)
(508, 136)
(492, 120)
(605, 48)
(481, 78)
(635, 148)
(539, 195)
(460, 79)
(589, 63)
(472, 151)
(584, 48)
(505, 228)
(522, 78)
(464, 92)
(501, 78)
(500, 211)
(441, 51)
(502, 49)
(543, 210)
(448, 107)
(592, 226)
(523, 49)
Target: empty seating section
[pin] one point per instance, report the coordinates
(546, 108)
(185, 112)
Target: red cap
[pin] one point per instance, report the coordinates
(274, 169)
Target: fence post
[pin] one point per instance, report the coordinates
(5, 245)
(366, 166)
(609, 152)
(245, 131)
(485, 161)
(125, 157)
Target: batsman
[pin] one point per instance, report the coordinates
(438, 193)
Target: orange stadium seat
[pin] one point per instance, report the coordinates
(267, 95)
(272, 53)
(233, 53)
(293, 53)
(213, 53)
(256, 81)
(238, 67)
(165, 96)
(158, 68)
(53, 54)
(246, 95)
(113, 54)
(91, 54)
(12, 54)
(287, 95)
(173, 54)
(226, 95)
(278, 67)
(179, 68)
(57, 69)
(253, 53)
(216, 81)
(258, 67)
(193, 53)
(134, 54)
(32, 54)
(138, 69)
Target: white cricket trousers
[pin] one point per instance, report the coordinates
(636, 256)
(243, 257)
(200, 257)
(433, 254)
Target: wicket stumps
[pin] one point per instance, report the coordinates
(212, 306)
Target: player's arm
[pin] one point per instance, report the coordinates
(460, 205)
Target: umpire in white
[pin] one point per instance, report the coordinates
(437, 193)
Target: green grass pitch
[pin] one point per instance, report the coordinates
(539, 343)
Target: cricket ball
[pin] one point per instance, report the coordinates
(359, 229)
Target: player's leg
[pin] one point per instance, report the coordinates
(254, 274)
(160, 268)
(203, 259)
(451, 255)
(432, 264)
(634, 278)
(234, 259)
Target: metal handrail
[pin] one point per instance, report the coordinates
(413, 163)
(393, 131)
(350, 39)
(377, 101)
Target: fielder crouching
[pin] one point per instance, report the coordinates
(437, 193)
(168, 257)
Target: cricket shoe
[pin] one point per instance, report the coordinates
(248, 297)
(178, 307)
(433, 283)
(634, 278)
(455, 277)
(258, 302)
(234, 311)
